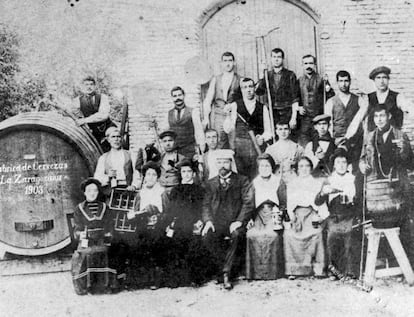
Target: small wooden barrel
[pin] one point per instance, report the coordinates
(384, 201)
(44, 156)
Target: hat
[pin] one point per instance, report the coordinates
(170, 133)
(111, 130)
(379, 70)
(321, 117)
(188, 163)
(224, 154)
(89, 181)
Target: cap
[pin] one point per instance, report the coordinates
(378, 70)
(321, 117)
(170, 133)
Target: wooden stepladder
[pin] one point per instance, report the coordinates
(392, 235)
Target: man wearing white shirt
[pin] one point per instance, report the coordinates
(186, 123)
(223, 90)
(114, 168)
(343, 108)
(248, 114)
(93, 108)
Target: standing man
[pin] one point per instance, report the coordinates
(284, 89)
(93, 109)
(396, 104)
(343, 108)
(186, 123)
(222, 91)
(248, 114)
(227, 206)
(313, 98)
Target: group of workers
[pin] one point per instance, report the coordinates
(242, 187)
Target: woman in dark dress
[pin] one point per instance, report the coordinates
(187, 256)
(90, 264)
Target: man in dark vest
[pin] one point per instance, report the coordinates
(312, 99)
(248, 114)
(93, 109)
(186, 124)
(396, 104)
(284, 90)
(343, 108)
(222, 91)
(227, 207)
(322, 147)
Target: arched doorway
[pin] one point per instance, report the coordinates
(235, 26)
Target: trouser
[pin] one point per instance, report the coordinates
(339, 234)
(306, 130)
(246, 156)
(226, 248)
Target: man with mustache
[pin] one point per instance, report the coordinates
(186, 123)
(227, 207)
(92, 108)
(222, 91)
(312, 88)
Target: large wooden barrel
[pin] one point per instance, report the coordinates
(384, 200)
(43, 158)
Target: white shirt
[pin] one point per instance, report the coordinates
(226, 83)
(151, 196)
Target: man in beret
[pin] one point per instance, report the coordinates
(322, 146)
(227, 207)
(186, 123)
(92, 108)
(170, 159)
(395, 102)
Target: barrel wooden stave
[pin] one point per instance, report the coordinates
(67, 155)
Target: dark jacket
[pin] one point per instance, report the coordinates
(286, 93)
(224, 206)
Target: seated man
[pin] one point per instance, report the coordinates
(339, 193)
(93, 108)
(227, 206)
(114, 168)
(322, 146)
(170, 175)
(207, 162)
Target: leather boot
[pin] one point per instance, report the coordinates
(226, 282)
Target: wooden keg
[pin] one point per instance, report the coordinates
(44, 156)
(384, 201)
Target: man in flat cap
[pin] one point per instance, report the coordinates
(170, 174)
(227, 207)
(186, 123)
(322, 146)
(395, 102)
(93, 108)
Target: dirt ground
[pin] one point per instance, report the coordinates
(53, 295)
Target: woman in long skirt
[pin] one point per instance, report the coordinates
(264, 254)
(303, 242)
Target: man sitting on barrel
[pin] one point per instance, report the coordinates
(93, 109)
(385, 158)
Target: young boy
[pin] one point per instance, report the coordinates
(339, 194)
(322, 146)
(285, 152)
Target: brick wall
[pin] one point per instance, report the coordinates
(139, 41)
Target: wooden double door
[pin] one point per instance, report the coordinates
(238, 26)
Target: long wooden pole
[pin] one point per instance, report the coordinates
(269, 96)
